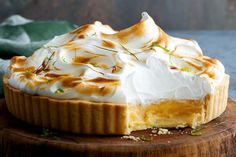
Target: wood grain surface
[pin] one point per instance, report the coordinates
(21, 140)
(169, 14)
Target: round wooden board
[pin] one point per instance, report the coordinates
(22, 140)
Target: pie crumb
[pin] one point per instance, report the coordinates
(162, 131)
(131, 138)
(154, 131)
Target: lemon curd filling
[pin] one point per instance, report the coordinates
(166, 113)
(179, 113)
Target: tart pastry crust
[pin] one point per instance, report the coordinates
(87, 117)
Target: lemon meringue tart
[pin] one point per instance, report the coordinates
(95, 80)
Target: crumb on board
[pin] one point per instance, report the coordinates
(142, 138)
(180, 126)
(131, 138)
(154, 131)
(162, 131)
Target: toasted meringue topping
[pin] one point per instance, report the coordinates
(137, 65)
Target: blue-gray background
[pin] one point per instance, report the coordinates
(170, 14)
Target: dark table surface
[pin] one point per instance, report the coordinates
(217, 44)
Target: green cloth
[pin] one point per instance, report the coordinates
(21, 36)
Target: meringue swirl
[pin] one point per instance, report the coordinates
(137, 65)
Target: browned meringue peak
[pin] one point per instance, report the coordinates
(139, 64)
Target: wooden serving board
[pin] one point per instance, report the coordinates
(22, 140)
